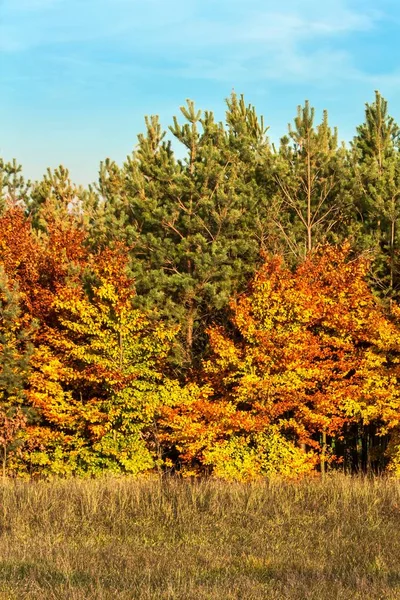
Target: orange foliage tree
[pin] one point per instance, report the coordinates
(310, 353)
(97, 372)
(103, 377)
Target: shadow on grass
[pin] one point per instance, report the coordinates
(43, 575)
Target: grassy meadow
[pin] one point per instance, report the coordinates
(169, 539)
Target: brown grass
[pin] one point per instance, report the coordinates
(123, 539)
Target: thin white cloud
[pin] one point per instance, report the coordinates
(179, 22)
(225, 40)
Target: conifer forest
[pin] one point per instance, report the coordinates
(218, 304)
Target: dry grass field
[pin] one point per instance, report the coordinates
(175, 540)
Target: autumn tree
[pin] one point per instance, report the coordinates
(311, 355)
(115, 366)
(97, 368)
(15, 354)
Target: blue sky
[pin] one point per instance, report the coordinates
(78, 76)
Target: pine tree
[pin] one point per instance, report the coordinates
(247, 136)
(55, 197)
(309, 207)
(377, 193)
(194, 225)
(14, 190)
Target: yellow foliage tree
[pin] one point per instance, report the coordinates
(100, 377)
(311, 354)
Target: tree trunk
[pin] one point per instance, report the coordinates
(4, 461)
(189, 330)
(392, 232)
(121, 350)
(364, 450)
(323, 454)
(309, 194)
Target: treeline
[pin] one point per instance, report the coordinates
(234, 311)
